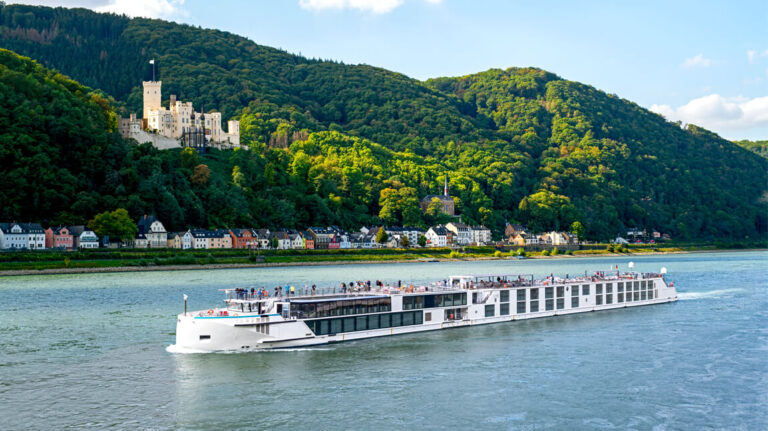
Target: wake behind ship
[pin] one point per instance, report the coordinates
(258, 321)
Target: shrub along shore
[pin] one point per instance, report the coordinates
(125, 260)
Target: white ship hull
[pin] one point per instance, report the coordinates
(233, 330)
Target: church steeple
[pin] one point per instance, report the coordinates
(445, 190)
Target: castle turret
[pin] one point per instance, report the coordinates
(152, 97)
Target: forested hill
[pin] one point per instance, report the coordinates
(519, 144)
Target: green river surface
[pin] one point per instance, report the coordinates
(88, 351)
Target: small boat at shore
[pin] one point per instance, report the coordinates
(252, 320)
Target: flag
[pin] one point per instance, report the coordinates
(185, 297)
(152, 61)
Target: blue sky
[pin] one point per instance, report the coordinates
(701, 62)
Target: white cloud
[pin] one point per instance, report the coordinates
(718, 113)
(144, 8)
(373, 6)
(697, 61)
(751, 55)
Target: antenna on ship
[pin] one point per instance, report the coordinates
(185, 304)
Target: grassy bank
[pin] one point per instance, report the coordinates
(135, 259)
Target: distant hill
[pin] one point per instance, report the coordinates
(517, 144)
(757, 147)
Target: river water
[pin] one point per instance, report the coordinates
(89, 351)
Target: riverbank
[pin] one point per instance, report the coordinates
(316, 260)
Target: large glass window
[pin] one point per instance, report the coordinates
(520, 307)
(418, 317)
(385, 320)
(560, 303)
(373, 321)
(560, 291)
(534, 303)
(397, 319)
(361, 323)
(550, 304)
(620, 297)
(521, 294)
(490, 310)
(504, 296)
(585, 289)
(574, 302)
(407, 319)
(549, 292)
(336, 326)
(349, 324)
(504, 309)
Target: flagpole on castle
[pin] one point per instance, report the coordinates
(152, 62)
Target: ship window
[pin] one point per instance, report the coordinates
(348, 308)
(650, 294)
(574, 291)
(621, 287)
(397, 319)
(608, 298)
(504, 295)
(459, 299)
(636, 296)
(535, 293)
(619, 297)
(643, 285)
(521, 294)
(560, 303)
(598, 289)
(336, 326)
(560, 291)
(360, 306)
(574, 301)
(205, 337)
(643, 295)
(585, 289)
(407, 319)
(386, 320)
(361, 323)
(520, 307)
(418, 318)
(349, 324)
(324, 327)
(534, 306)
(373, 321)
(549, 292)
(650, 284)
(637, 285)
(504, 309)
(490, 310)
(549, 304)
(599, 299)
(428, 317)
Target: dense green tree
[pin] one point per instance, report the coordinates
(116, 225)
(381, 236)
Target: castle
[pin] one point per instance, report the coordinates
(446, 201)
(178, 122)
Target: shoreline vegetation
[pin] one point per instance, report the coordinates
(126, 260)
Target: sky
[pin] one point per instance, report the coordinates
(702, 62)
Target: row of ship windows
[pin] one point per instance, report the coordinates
(417, 302)
(364, 323)
(549, 292)
(340, 308)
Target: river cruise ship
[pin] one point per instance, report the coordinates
(253, 321)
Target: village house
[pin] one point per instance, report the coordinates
(283, 240)
(58, 238)
(29, 236)
(244, 238)
(201, 238)
(309, 240)
(519, 239)
(83, 237)
(297, 242)
(180, 240)
(140, 241)
(480, 235)
(438, 236)
(510, 230)
(323, 237)
(154, 232)
(461, 233)
(262, 236)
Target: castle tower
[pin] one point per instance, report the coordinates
(152, 96)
